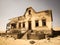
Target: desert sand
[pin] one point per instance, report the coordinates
(12, 41)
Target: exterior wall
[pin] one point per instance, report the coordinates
(39, 17)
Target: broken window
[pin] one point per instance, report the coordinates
(23, 24)
(29, 12)
(13, 25)
(43, 22)
(36, 23)
(19, 25)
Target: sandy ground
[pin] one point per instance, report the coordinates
(12, 41)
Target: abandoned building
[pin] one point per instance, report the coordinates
(32, 25)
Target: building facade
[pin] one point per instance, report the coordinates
(32, 22)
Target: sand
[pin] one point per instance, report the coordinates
(12, 41)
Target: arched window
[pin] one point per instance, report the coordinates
(29, 12)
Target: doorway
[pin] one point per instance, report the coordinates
(29, 25)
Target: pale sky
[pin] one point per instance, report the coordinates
(15, 8)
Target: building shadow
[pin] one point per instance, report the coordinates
(56, 33)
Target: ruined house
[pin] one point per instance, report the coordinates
(31, 25)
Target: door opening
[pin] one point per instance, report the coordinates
(29, 25)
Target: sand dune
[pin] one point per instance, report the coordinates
(2, 31)
(56, 28)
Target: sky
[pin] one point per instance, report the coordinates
(15, 8)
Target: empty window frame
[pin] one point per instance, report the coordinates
(36, 23)
(43, 22)
(13, 25)
(23, 24)
(29, 12)
(19, 25)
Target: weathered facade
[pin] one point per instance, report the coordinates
(32, 22)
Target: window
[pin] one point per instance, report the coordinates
(19, 25)
(23, 24)
(36, 23)
(30, 12)
(43, 22)
(13, 25)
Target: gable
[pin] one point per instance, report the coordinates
(29, 11)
